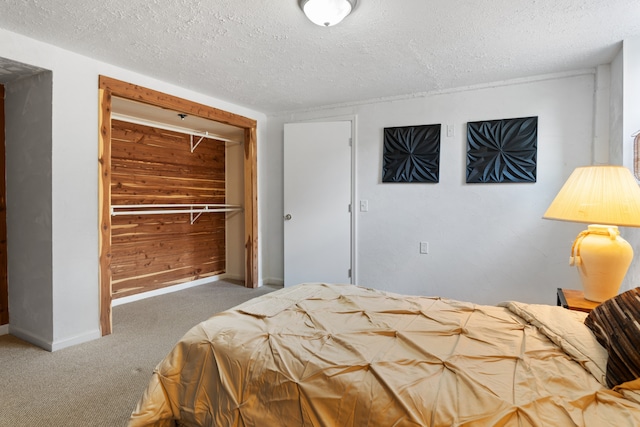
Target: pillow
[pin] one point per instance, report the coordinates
(615, 324)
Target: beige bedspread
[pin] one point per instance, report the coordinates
(340, 355)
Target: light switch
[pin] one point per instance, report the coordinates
(450, 131)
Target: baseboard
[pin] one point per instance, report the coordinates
(169, 289)
(55, 345)
(31, 338)
(274, 282)
(232, 277)
(78, 339)
(4, 329)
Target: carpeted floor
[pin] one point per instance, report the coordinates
(99, 383)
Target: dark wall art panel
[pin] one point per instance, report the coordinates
(411, 154)
(502, 150)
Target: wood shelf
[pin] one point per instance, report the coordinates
(574, 299)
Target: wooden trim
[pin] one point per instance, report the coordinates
(109, 87)
(104, 203)
(4, 287)
(251, 215)
(149, 96)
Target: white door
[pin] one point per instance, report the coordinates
(317, 195)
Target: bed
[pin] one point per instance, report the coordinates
(343, 355)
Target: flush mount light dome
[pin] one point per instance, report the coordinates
(327, 12)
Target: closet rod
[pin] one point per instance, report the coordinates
(194, 210)
(203, 134)
(117, 210)
(173, 205)
(174, 211)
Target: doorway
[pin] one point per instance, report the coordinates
(318, 192)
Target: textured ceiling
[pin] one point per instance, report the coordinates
(267, 56)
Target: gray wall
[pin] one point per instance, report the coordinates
(28, 108)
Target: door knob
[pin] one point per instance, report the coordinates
(287, 217)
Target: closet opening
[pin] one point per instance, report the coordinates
(178, 194)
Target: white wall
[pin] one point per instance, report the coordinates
(630, 97)
(625, 113)
(74, 181)
(616, 113)
(488, 242)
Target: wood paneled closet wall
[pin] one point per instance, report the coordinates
(155, 167)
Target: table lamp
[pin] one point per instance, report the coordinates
(604, 197)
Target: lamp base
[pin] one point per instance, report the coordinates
(602, 258)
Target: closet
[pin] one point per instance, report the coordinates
(177, 193)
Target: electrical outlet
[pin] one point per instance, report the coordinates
(424, 247)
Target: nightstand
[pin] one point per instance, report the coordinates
(574, 300)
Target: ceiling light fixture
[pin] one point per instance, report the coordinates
(327, 12)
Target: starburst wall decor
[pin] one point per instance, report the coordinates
(502, 150)
(411, 154)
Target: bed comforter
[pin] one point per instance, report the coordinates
(341, 355)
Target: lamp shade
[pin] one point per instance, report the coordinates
(327, 12)
(607, 195)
